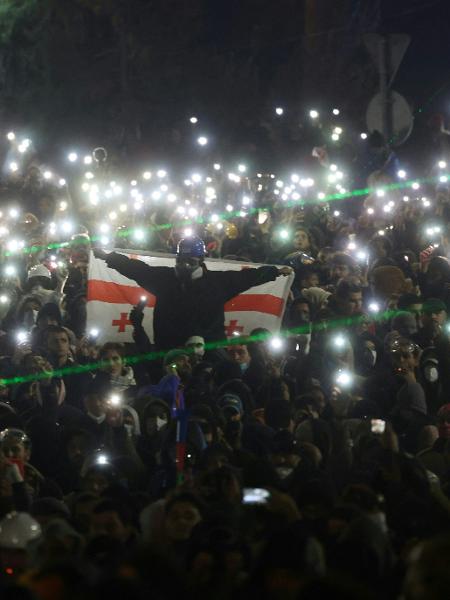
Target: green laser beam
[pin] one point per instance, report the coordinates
(125, 233)
(236, 340)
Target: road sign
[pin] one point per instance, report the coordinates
(397, 44)
(402, 119)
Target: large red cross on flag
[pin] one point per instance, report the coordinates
(111, 296)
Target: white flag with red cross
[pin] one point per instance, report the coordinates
(111, 296)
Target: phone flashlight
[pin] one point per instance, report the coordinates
(255, 496)
(22, 337)
(115, 400)
(374, 307)
(339, 341)
(377, 426)
(102, 459)
(344, 378)
(93, 333)
(276, 343)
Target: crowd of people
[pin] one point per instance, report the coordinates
(315, 463)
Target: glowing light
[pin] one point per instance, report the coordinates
(442, 164)
(336, 111)
(87, 159)
(62, 182)
(48, 174)
(321, 196)
(242, 168)
(338, 130)
(196, 178)
(202, 140)
(363, 136)
(13, 166)
(401, 174)
(67, 226)
(229, 208)
(335, 137)
(279, 111)
(10, 270)
(193, 120)
(336, 213)
(370, 211)
(138, 234)
(361, 255)
(146, 175)
(73, 157)
(339, 341)
(13, 213)
(443, 178)
(313, 114)
(89, 175)
(276, 343)
(374, 307)
(217, 166)
(415, 185)
(3, 299)
(344, 378)
(284, 234)
(63, 205)
(11, 136)
(161, 173)
(188, 232)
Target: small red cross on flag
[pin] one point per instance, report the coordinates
(232, 328)
(122, 322)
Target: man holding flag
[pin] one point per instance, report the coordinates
(189, 298)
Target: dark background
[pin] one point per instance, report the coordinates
(128, 74)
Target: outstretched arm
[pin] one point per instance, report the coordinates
(240, 281)
(147, 277)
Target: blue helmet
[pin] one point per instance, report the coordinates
(191, 246)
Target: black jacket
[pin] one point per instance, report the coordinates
(193, 309)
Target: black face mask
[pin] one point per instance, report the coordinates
(185, 267)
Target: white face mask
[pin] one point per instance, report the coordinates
(431, 374)
(129, 429)
(160, 423)
(29, 318)
(284, 472)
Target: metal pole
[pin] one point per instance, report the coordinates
(386, 106)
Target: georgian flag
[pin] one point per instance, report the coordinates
(111, 296)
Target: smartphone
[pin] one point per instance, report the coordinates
(255, 496)
(142, 302)
(377, 426)
(263, 215)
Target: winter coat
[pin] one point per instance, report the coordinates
(196, 308)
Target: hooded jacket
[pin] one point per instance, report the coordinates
(196, 308)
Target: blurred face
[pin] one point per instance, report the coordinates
(77, 449)
(403, 359)
(301, 240)
(311, 281)
(185, 266)
(239, 354)
(14, 448)
(339, 271)
(301, 313)
(439, 317)
(115, 362)
(156, 419)
(58, 344)
(95, 482)
(181, 520)
(183, 365)
(95, 405)
(355, 302)
(109, 523)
